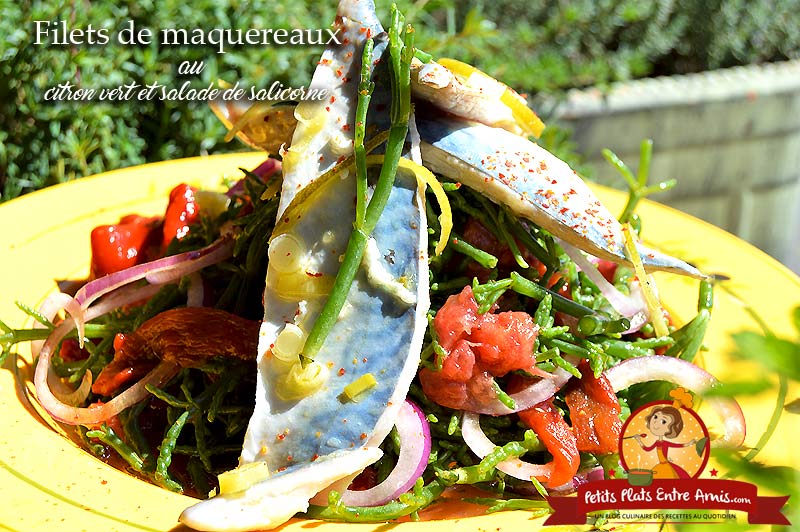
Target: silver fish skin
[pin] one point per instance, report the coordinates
(324, 132)
(535, 184)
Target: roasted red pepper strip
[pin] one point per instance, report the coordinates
(124, 244)
(136, 239)
(594, 410)
(182, 212)
(557, 437)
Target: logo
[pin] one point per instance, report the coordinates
(664, 440)
(664, 448)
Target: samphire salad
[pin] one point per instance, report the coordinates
(407, 295)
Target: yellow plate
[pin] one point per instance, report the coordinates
(46, 482)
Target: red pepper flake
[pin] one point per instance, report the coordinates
(364, 360)
(333, 99)
(363, 436)
(346, 127)
(328, 108)
(341, 372)
(314, 457)
(289, 458)
(280, 437)
(314, 274)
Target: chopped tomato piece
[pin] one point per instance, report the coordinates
(607, 269)
(594, 410)
(459, 363)
(136, 239)
(505, 341)
(454, 321)
(479, 347)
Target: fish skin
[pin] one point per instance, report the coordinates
(287, 494)
(534, 184)
(376, 332)
(324, 133)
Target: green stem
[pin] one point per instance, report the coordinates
(400, 55)
(503, 397)
(526, 287)
(162, 476)
(486, 260)
(407, 504)
(783, 390)
(783, 386)
(107, 435)
(637, 185)
(365, 89)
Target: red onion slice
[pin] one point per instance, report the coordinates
(63, 393)
(581, 477)
(691, 377)
(415, 449)
(60, 409)
(191, 262)
(50, 307)
(158, 271)
(538, 391)
(480, 444)
(628, 306)
(195, 294)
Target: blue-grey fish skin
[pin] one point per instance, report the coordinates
(534, 184)
(374, 334)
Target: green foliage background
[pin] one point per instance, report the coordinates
(537, 46)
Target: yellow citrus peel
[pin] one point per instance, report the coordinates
(653, 305)
(426, 177)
